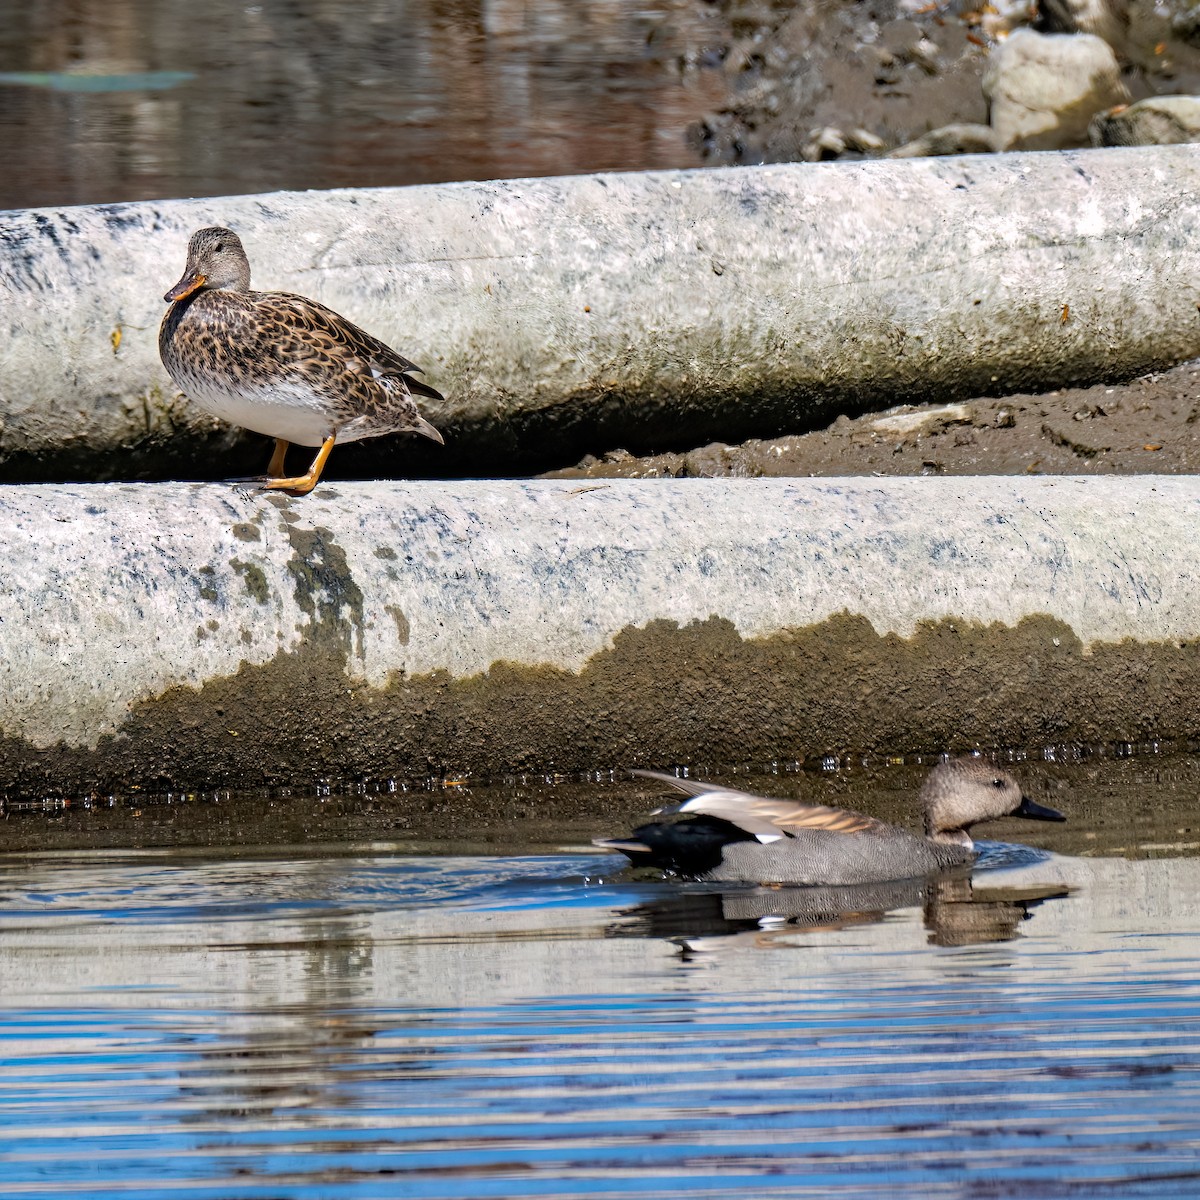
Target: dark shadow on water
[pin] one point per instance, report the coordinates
(1127, 804)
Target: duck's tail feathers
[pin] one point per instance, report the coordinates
(424, 428)
(630, 848)
(417, 388)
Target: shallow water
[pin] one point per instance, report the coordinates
(353, 1021)
(166, 98)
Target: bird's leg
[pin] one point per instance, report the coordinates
(275, 466)
(300, 484)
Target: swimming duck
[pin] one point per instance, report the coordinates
(281, 364)
(735, 836)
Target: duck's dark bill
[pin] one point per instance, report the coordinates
(185, 287)
(1037, 812)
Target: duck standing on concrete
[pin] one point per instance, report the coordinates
(281, 364)
(734, 836)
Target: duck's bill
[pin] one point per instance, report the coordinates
(1037, 812)
(193, 281)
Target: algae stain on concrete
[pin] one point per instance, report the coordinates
(254, 578)
(662, 694)
(246, 531)
(402, 626)
(207, 590)
(325, 588)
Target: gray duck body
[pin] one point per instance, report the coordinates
(876, 854)
(737, 837)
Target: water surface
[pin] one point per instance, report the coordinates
(159, 98)
(355, 1020)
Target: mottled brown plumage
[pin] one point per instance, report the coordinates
(281, 364)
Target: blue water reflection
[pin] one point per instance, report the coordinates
(359, 1025)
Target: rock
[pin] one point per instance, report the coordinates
(824, 144)
(1107, 19)
(1157, 121)
(925, 54)
(906, 419)
(827, 143)
(950, 139)
(999, 18)
(1186, 24)
(864, 141)
(1044, 88)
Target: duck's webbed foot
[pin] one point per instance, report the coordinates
(297, 485)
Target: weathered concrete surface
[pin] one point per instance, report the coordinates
(567, 315)
(195, 636)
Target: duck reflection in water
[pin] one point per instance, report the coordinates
(955, 912)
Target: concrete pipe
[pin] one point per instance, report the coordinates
(194, 636)
(569, 315)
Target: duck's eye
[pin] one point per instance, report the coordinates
(219, 247)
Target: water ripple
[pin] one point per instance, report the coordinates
(367, 1026)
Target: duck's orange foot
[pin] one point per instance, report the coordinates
(297, 485)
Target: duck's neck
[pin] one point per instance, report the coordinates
(236, 288)
(952, 837)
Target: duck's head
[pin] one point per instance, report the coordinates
(964, 791)
(215, 259)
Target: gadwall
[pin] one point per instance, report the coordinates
(734, 836)
(281, 364)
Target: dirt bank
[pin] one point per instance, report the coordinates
(1150, 425)
(778, 77)
(779, 74)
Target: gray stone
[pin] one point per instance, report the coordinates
(1185, 21)
(964, 138)
(1107, 19)
(830, 142)
(1044, 89)
(1157, 121)
(573, 315)
(999, 18)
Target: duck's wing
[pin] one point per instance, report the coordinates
(767, 818)
(692, 787)
(326, 332)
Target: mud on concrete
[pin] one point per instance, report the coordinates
(661, 694)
